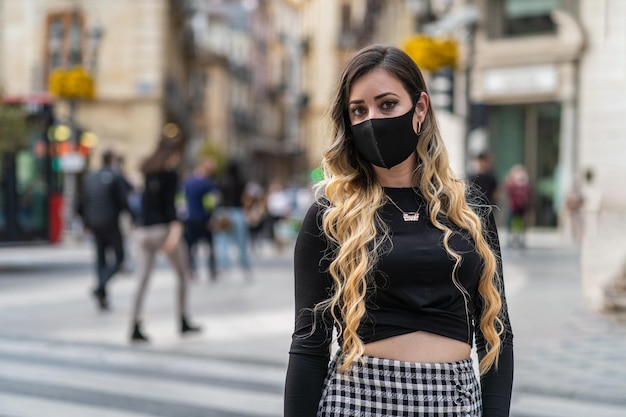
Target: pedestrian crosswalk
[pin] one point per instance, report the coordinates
(55, 378)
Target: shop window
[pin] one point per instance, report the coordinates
(64, 40)
(529, 135)
(514, 18)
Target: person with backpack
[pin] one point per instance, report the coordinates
(103, 199)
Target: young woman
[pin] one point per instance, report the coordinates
(161, 230)
(402, 259)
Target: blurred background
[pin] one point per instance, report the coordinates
(540, 83)
(536, 82)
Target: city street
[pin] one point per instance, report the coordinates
(60, 357)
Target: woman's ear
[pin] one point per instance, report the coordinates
(421, 107)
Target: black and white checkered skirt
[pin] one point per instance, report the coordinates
(385, 387)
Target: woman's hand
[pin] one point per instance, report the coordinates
(173, 237)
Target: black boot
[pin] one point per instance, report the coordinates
(185, 327)
(137, 336)
(101, 297)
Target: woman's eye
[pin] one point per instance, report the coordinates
(357, 111)
(388, 105)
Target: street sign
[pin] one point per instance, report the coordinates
(72, 163)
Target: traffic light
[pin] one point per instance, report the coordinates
(86, 142)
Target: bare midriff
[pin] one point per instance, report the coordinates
(421, 347)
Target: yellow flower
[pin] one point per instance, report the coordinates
(74, 83)
(430, 53)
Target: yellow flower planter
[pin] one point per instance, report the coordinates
(73, 83)
(430, 54)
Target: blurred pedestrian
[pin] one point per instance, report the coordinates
(120, 169)
(230, 225)
(279, 207)
(128, 223)
(574, 203)
(484, 177)
(519, 197)
(161, 231)
(255, 207)
(103, 199)
(198, 189)
(401, 259)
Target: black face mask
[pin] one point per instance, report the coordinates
(386, 142)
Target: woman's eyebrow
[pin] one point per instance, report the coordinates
(379, 96)
(385, 94)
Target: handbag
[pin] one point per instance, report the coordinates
(221, 222)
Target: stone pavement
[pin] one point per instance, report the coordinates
(583, 375)
(570, 360)
(45, 293)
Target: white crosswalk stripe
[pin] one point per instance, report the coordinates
(52, 378)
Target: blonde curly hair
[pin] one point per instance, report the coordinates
(353, 199)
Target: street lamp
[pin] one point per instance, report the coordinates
(73, 83)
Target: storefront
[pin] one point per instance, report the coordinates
(525, 82)
(529, 134)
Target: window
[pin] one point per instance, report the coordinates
(347, 38)
(64, 40)
(512, 18)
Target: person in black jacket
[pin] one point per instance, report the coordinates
(103, 198)
(161, 230)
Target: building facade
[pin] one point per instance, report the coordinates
(547, 83)
(135, 51)
(524, 89)
(600, 151)
(277, 146)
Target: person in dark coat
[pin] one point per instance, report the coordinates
(103, 199)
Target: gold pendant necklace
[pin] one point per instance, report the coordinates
(407, 216)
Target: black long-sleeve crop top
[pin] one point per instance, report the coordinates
(413, 291)
(158, 199)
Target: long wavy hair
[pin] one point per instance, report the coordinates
(157, 161)
(353, 198)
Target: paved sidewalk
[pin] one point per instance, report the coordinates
(45, 293)
(570, 361)
(583, 375)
